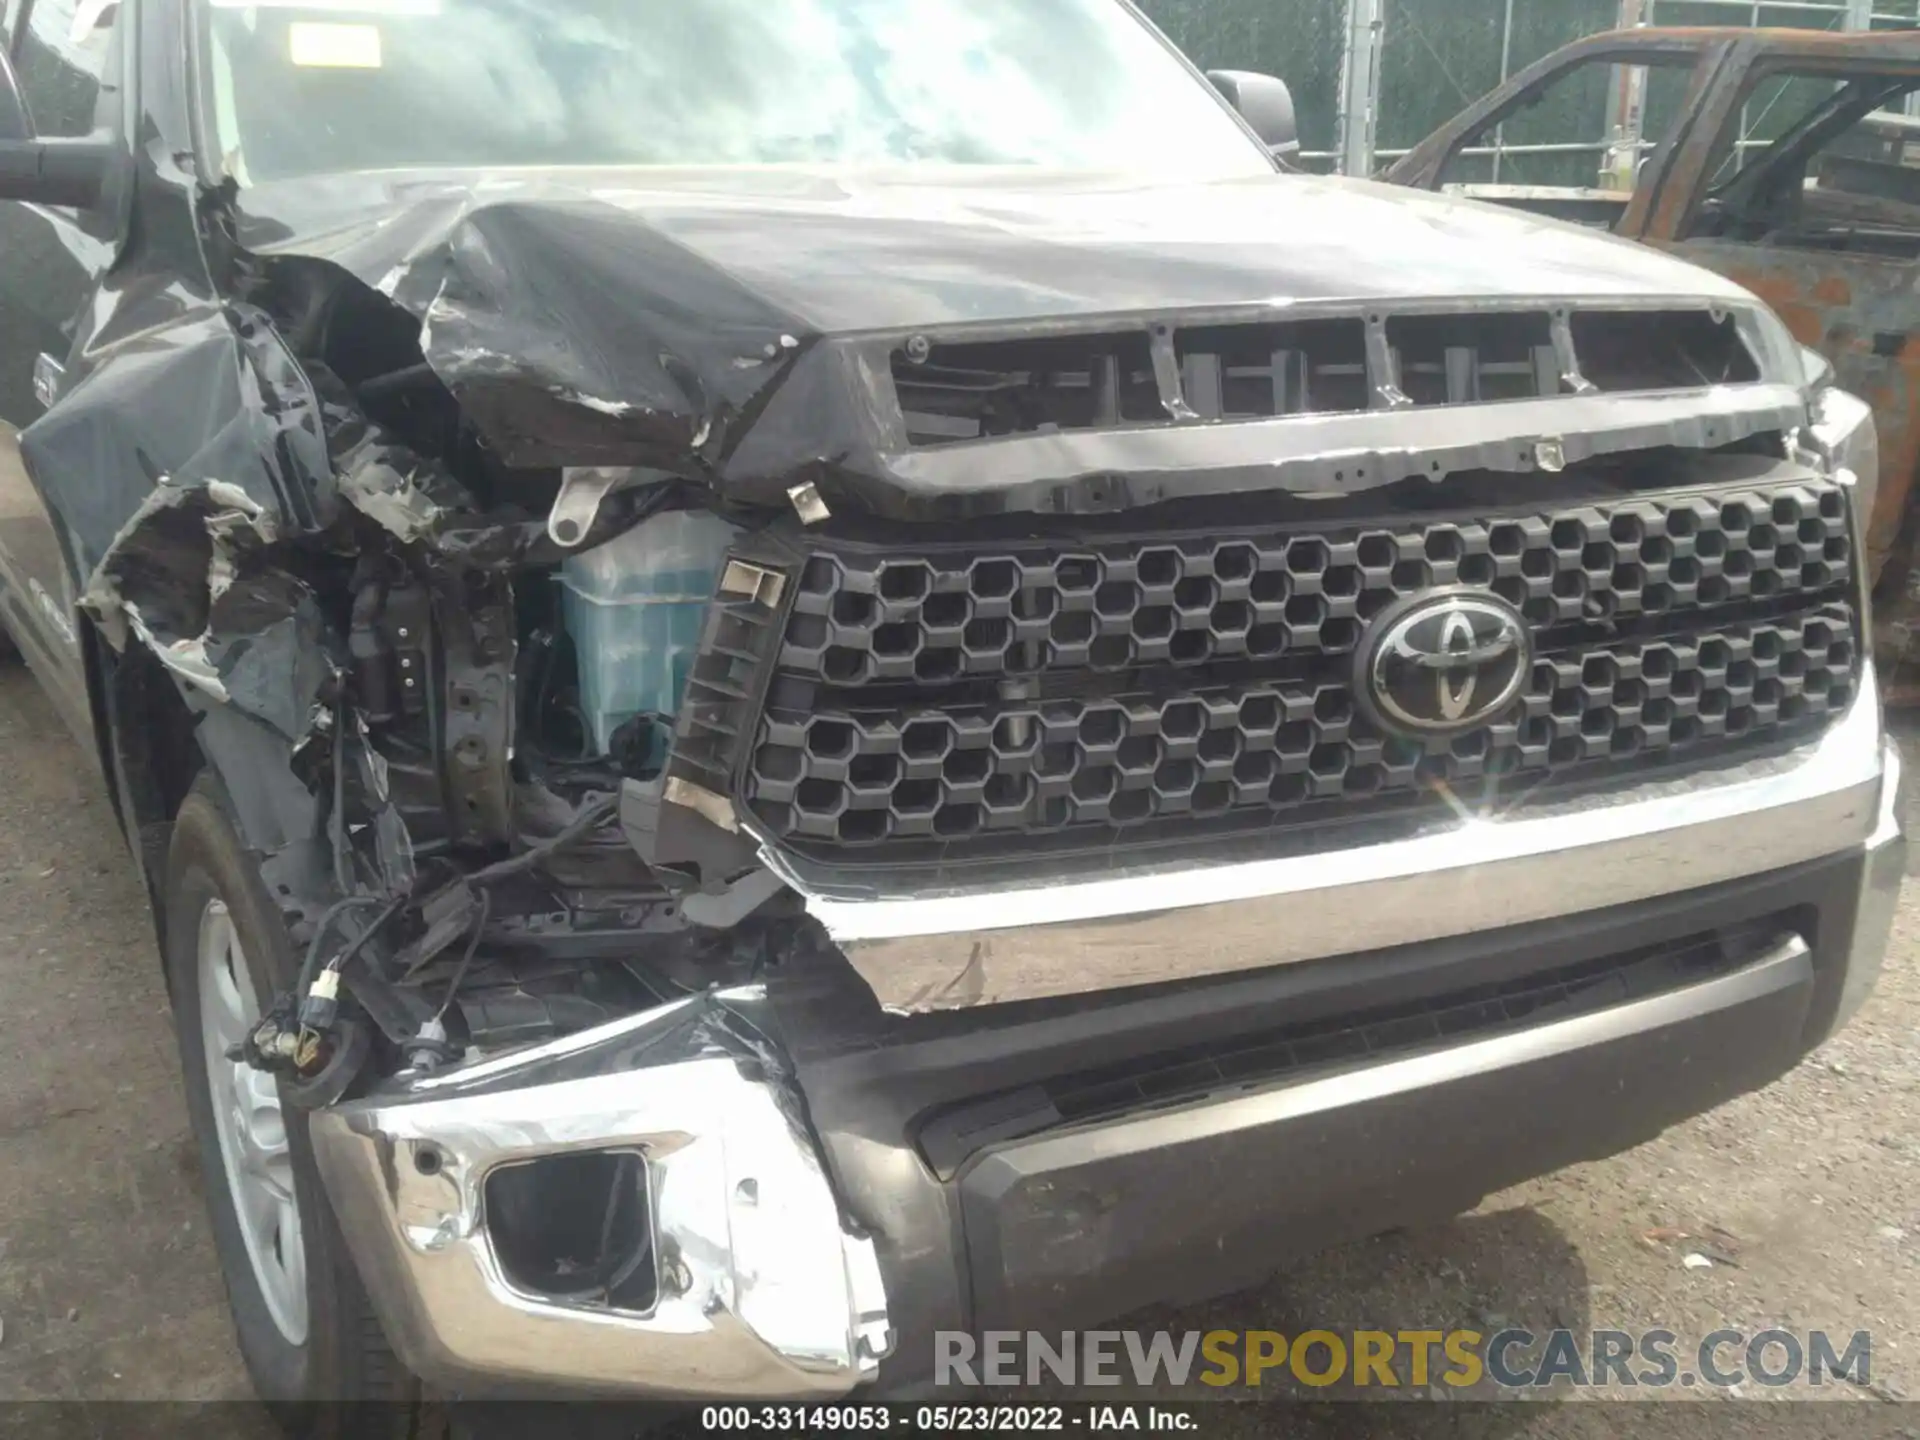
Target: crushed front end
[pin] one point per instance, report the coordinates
(803, 834)
(1099, 780)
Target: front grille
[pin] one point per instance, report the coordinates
(863, 620)
(991, 702)
(1287, 751)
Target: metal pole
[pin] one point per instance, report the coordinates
(1360, 86)
(1626, 108)
(1831, 7)
(1506, 69)
(1859, 15)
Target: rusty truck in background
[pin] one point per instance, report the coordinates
(1783, 159)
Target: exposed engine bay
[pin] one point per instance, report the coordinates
(402, 664)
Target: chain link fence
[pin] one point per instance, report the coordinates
(1371, 78)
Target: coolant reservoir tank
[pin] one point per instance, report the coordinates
(634, 608)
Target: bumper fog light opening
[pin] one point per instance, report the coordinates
(576, 1230)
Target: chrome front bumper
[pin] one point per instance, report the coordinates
(766, 1288)
(764, 1291)
(1881, 875)
(1476, 871)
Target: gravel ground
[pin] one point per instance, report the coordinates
(1809, 1192)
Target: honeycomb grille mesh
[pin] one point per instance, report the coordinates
(862, 780)
(1664, 628)
(1187, 602)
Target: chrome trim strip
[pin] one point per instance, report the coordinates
(1787, 964)
(1372, 447)
(1150, 926)
(1890, 826)
(1882, 874)
(764, 1291)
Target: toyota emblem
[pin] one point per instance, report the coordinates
(1444, 662)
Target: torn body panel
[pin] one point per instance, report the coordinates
(745, 1275)
(207, 396)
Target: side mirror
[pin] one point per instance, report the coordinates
(55, 172)
(1265, 103)
(45, 172)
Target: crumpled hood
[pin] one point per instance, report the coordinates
(889, 259)
(839, 255)
(736, 327)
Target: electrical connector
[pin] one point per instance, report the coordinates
(321, 1004)
(272, 1045)
(429, 1050)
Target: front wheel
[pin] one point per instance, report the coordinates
(305, 1328)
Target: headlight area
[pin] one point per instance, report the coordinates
(1845, 434)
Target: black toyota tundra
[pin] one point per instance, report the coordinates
(794, 673)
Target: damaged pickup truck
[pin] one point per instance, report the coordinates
(788, 677)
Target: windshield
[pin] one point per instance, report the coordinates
(334, 85)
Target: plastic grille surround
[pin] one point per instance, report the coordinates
(998, 700)
(954, 392)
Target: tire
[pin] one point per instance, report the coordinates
(304, 1372)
